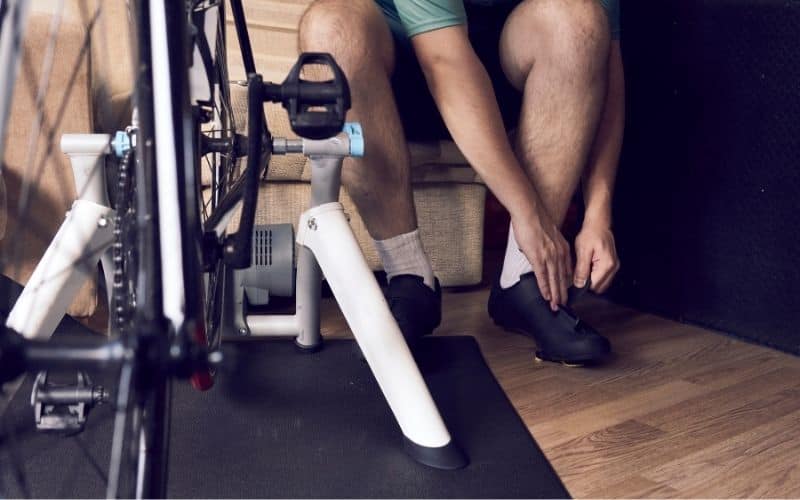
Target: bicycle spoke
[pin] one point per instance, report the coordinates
(125, 400)
(33, 177)
(41, 94)
(51, 84)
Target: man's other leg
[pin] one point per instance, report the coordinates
(555, 52)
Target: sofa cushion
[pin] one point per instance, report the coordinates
(450, 223)
(112, 66)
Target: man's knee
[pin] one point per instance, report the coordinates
(571, 35)
(354, 31)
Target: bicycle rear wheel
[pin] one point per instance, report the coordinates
(221, 111)
(52, 96)
(219, 158)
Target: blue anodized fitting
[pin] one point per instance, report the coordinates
(356, 135)
(121, 143)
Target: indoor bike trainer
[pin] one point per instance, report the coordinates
(326, 247)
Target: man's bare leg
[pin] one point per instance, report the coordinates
(556, 53)
(358, 37)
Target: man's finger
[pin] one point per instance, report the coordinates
(563, 282)
(540, 272)
(553, 276)
(557, 275)
(583, 267)
(568, 271)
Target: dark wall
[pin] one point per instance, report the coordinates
(707, 213)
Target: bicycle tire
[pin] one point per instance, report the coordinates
(142, 408)
(142, 471)
(222, 168)
(139, 314)
(219, 168)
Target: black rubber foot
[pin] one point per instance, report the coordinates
(309, 349)
(448, 457)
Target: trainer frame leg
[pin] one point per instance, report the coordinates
(68, 262)
(326, 232)
(83, 238)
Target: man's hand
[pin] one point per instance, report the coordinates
(548, 252)
(597, 257)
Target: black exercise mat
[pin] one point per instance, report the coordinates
(284, 424)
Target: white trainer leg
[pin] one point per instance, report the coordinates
(325, 231)
(67, 263)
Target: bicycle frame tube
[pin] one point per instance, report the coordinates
(168, 154)
(244, 192)
(200, 85)
(244, 37)
(148, 289)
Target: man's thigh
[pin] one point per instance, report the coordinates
(418, 113)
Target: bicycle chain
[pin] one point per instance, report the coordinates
(125, 212)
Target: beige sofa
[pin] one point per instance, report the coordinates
(448, 195)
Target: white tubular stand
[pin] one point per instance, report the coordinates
(81, 241)
(328, 246)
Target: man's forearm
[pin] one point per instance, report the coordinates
(601, 170)
(463, 93)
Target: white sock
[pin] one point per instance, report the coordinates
(515, 264)
(404, 254)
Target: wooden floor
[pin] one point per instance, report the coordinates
(680, 412)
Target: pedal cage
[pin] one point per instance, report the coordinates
(63, 408)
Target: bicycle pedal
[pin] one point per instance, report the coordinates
(63, 408)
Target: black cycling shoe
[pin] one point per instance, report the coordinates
(560, 336)
(417, 308)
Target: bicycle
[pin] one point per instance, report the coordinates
(172, 253)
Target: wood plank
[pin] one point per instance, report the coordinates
(634, 487)
(654, 349)
(610, 413)
(667, 398)
(589, 455)
(751, 464)
(553, 398)
(589, 463)
(726, 400)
